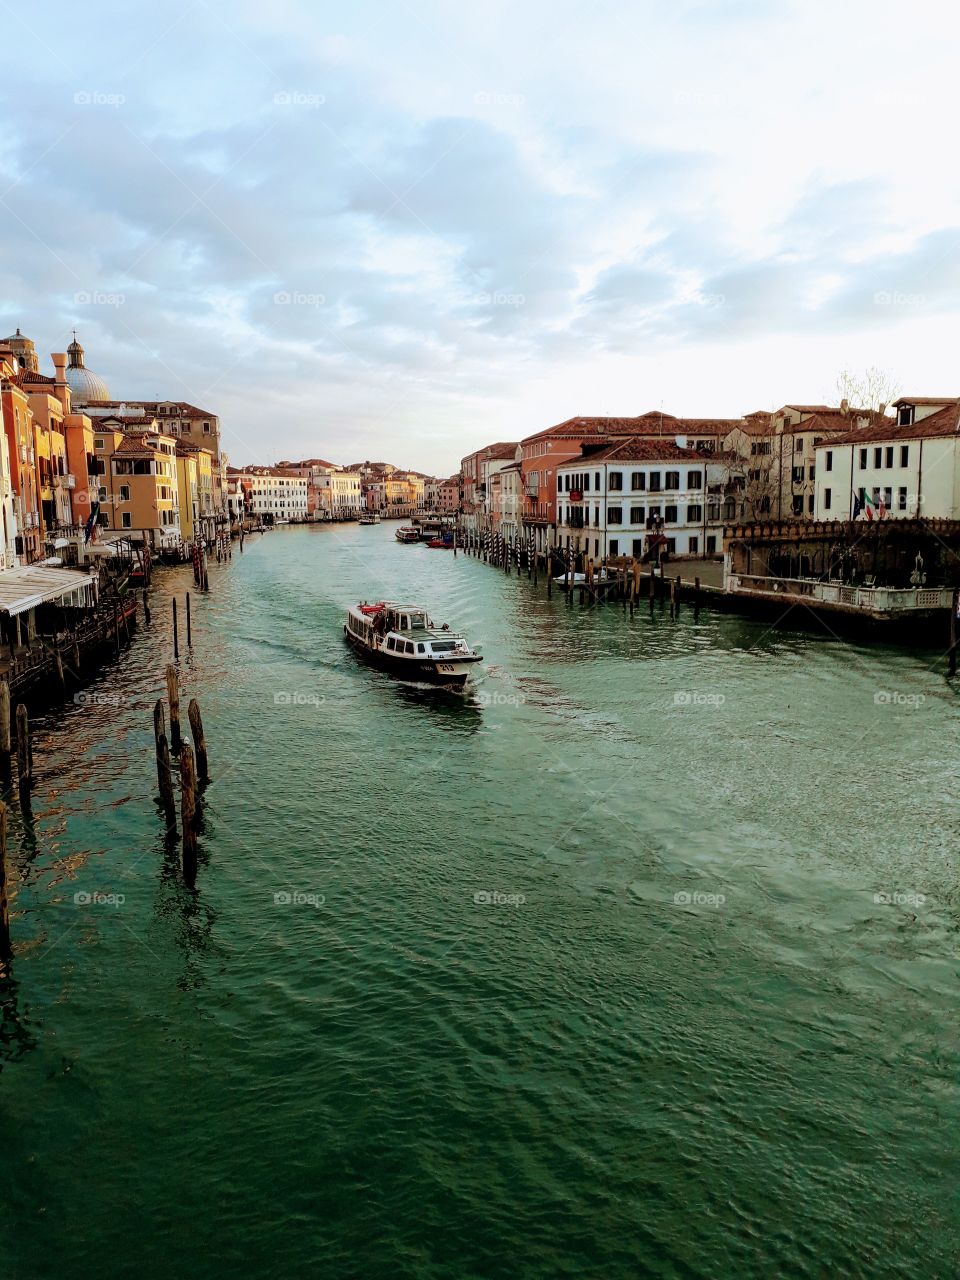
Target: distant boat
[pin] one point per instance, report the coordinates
(446, 541)
(404, 641)
(406, 533)
(369, 520)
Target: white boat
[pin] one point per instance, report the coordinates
(403, 640)
(407, 533)
(374, 519)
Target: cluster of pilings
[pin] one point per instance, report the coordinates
(193, 771)
(612, 579)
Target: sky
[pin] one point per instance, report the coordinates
(402, 230)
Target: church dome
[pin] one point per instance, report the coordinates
(85, 385)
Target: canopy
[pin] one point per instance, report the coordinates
(23, 589)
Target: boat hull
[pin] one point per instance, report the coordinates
(446, 675)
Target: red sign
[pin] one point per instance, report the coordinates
(576, 495)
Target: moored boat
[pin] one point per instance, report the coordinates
(367, 520)
(404, 641)
(445, 541)
(406, 533)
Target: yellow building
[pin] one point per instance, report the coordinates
(139, 490)
(196, 483)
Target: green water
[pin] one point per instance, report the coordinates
(704, 1023)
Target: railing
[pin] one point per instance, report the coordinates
(872, 599)
(66, 481)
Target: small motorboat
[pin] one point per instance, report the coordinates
(445, 541)
(367, 520)
(403, 640)
(407, 533)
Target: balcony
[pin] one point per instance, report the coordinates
(67, 481)
(876, 601)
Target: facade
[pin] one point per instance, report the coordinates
(506, 501)
(138, 493)
(448, 495)
(478, 470)
(634, 496)
(274, 494)
(22, 519)
(901, 467)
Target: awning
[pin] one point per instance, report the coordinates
(23, 589)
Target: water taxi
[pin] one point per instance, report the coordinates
(403, 640)
(374, 519)
(407, 533)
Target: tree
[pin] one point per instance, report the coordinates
(868, 390)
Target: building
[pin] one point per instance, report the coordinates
(23, 543)
(478, 470)
(448, 495)
(631, 496)
(781, 450)
(195, 488)
(906, 466)
(138, 493)
(274, 495)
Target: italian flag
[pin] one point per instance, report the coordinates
(869, 509)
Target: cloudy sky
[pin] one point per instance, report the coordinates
(404, 228)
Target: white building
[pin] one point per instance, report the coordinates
(909, 463)
(620, 499)
(276, 495)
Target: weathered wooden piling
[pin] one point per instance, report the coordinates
(176, 641)
(188, 815)
(189, 632)
(696, 599)
(954, 605)
(6, 744)
(165, 780)
(676, 601)
(173, 698)
(146, 607)
(24, 752)
(199, 740)
(6, 947)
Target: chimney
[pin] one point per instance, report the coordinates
(881, 409)
(844, 407)
(60, 388)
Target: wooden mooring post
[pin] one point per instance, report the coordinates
(6, 742)
(176, 643)
(696, 599)
(199, 740)
(173, 697)
(6, 947)
(24, 751)
(954, 606)
(189, 633)
(146, 607)
(188, 815)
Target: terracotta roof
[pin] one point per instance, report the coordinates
(27, 375)
(944, 423)
(504, 449)
(652, 423)
(944, 400)
(143, 442)
(640, 450)
(813, 408)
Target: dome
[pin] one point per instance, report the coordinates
(85, 385)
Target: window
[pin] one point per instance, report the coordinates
(654, 482)
(654, 514)
(586, 482)
(596, 481)
(421, 648)
(694, 545)
(614, 546)
(905, 415)
(124, 493)
(694, 513)
(798, 475)
(904, 455)
(889, 458)
(713, 514)
(827, 499)
(638, 481)
(672, 481)
(670, 515)
(98, 444)
(391, 643)
(637, 515)
(672, 545)
(638, 546)
(863, 459)
(828, 465)
(694, 480)
(811, 472)
(206, 428)
(888, 498)
(798, 447)
(615, 481)
(877, 459)
(798, 504)
(126, 520)
(901, 499)
(810, 505)
(711, 543)
(614, 515)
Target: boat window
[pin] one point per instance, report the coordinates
(421, 648)
(409, 646)
(443, 646)
(391, 643)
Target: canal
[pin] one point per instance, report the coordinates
(639, 960)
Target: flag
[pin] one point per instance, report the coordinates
(882, 510)
(91, 522)
(857, 506)
(867, 503)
